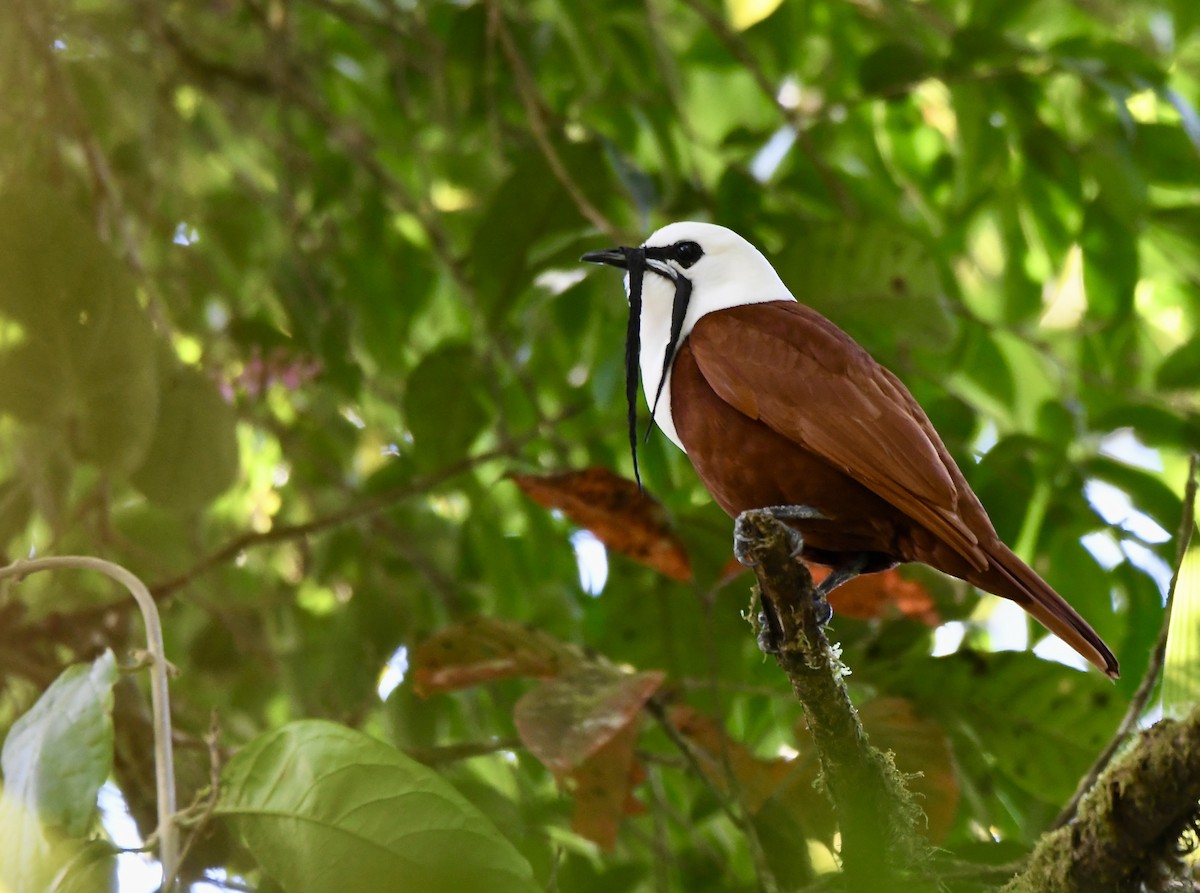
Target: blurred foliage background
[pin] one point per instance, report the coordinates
(288, 288)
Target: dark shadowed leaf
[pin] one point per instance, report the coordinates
(1039, 722)
(892, 67)
(193, 457)
(921, 749)
(442, 402)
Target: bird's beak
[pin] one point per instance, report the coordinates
(613, 257)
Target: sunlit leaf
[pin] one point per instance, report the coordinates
(58, 754)
(324, 808)
(83, 363)
(1181, 669)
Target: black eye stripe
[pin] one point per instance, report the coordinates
(683, 253)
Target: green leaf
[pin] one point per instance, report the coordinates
(1180, 371)
(1148, 492)
(875, 280)
(82, 358)
(1110, 264)
(58, 754)
(527, 208)
(1039, 722)
(193, 457)
(442, 404)
(1181, 669)
(893, 67)
(325, 808)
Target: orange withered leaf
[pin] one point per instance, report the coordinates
(867, 596)
(755, 779)
(484, 649)
(602, 786)
(877, 595)
(621, 516)
(567, 719)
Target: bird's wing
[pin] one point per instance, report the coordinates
(787, 365)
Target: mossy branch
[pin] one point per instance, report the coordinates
(877, 815)
(1126, 834)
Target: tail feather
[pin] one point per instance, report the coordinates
(1012, 578)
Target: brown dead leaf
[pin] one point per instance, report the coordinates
(567, 719)
(867, 596)
(790, 783)
(484, 649)
(622, 517)
(603, 788)
(877, 595)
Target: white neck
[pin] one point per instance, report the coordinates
(726, 282)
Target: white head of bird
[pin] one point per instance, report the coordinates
(724, 270)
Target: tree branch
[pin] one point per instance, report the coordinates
(876, 814)
(1141, 697)
(527, 90)
(1129, 823)
(160, 698)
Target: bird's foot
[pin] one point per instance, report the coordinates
(844, 573)
(770, 631)
(742, 541)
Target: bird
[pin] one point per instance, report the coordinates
(776, 407)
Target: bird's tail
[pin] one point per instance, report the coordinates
(1012, 578)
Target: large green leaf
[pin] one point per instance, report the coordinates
(193, 457)
(58, 754)
(1039, 722)
(54, 760)
(443, 404)
(874, 279)
(325, 809)
(79, 358)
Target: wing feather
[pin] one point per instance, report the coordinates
(787, 365)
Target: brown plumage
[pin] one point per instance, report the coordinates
(819, 423)
(775, 405)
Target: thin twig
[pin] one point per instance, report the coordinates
(527, 90)
(452, 753)
(160, 700)
(367, 507)
(212, 740)
(1141, 697)
(766, 877)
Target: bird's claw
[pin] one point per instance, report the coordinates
(743, 541)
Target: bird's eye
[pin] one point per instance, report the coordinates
(687, 253)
